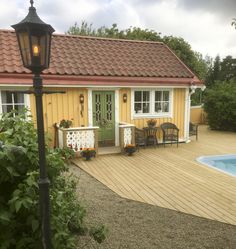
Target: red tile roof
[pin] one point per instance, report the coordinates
(90, 56)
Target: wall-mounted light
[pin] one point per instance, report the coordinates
(81, 98)
(125, 97)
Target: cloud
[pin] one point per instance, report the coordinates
(221, 7)
(204, 24)
(116, 11)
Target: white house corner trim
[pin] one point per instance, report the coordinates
(117, 119)
(187, 115)
(132, 104)
(0, 102)
(90, 108)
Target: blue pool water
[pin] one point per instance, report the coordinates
(225, 163)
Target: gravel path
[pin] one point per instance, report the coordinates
(138, 225)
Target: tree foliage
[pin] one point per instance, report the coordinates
(220, 105)
(234, 22)
(19, 193)
(221, 70)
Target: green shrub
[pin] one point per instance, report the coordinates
(220, 106)
(19, 193)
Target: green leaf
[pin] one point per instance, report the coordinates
(18, 205)
(35, 225)
(5, 216)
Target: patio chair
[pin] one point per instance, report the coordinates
(193, 130)
(140, 139)
(170, 133)
(151, 135)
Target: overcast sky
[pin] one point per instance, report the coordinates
(205, 24)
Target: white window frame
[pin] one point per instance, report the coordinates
(26, 101)
(152, 113)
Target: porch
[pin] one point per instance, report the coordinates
(78, 138)
(171, 178)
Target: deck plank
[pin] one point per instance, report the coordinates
(171, 177)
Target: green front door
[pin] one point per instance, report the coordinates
(104, 116)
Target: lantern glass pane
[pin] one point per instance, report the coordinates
(43, 56)
(25, 47)
(36, 50)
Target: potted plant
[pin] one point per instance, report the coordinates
(130, 149)
(87, 153)
(65, 123)
(151, 123)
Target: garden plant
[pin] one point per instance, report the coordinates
(19, 193)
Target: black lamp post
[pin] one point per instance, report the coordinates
(34, 38)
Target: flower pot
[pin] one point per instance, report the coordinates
(88, 154)
(87, 158)
(130, 150)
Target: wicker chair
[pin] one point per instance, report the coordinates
(193, 130)
(151, 136)
(170, 133)
(140, 139)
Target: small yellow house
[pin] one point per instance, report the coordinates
(108, 84)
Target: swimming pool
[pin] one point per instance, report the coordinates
(224, 163)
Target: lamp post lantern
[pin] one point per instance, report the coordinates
(34, 39)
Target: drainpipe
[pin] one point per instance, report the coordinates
(192, 90)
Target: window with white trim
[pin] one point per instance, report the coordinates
(12, 101)
(142, 101)
(152, 103)
(162, 101)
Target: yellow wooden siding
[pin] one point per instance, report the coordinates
(178, 111)
(67, 106)
(62, 106)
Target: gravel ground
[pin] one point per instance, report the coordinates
(137, 225)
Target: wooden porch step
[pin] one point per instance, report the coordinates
(109, 150)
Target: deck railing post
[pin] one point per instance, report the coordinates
(64, 138)
(122, 139)
(133, 134)
(96, 140)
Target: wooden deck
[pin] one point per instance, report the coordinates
(171, 178)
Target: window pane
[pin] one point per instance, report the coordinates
(138, 108)
(12, 101)
(6, 98)
(165, 107)
(146, 108)
(19, 107)
(7, 108)
(158, 107)
(158, 96)
(146, 95)
(138, 95)
(18, 98)
(166, 96)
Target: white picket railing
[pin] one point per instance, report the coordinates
(78, 138)
(127, 134)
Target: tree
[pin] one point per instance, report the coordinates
(221, 70)
(228, 68)
(220, 106)
(234, 22)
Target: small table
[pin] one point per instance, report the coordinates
(151, 135)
